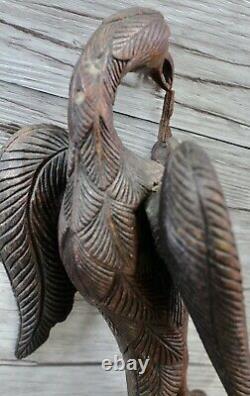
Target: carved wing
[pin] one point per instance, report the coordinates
(32, 180)
(196, 228)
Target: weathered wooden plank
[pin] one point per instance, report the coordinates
(68, 380)
(227, 23)
(211, 97)
(61, 381)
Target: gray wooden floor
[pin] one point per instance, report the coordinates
(39, 44)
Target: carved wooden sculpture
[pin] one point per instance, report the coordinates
(135, 240)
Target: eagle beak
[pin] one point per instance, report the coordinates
(163, 76)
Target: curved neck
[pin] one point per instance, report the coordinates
(130, 41)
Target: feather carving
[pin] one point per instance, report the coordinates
(102, 221)
(32, 180)
(197, 230)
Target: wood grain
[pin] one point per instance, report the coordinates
(59, 380)
(40, 42)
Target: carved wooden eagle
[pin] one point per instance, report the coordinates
(145, 241)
